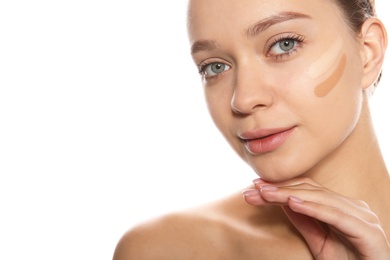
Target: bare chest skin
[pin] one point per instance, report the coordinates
(233, 230)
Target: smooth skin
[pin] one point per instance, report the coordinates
(323, 192)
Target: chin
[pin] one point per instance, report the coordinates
(279, 172)
(276, 178)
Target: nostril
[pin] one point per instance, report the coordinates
(248, 98)
(236, 110)
(246, 109)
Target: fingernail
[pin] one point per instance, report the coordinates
(296, 199)
(250, 193)
(268, 188)
(258, 180)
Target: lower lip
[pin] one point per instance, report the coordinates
(269, 143)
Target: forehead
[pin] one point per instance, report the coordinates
(208, 18)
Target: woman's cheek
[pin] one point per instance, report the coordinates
(327, 69)
(218, 101)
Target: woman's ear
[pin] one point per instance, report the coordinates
(374, 39)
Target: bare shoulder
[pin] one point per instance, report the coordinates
(199, 233)
(149, 239)
(179, 235)
(225, 229)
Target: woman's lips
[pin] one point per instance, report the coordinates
(263, 141)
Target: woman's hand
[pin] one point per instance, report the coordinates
(334, 226)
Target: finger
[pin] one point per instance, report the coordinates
(253, 197)
(366, 237)
(296, 181)
(259, 181)
(311, 230)
(281, 195)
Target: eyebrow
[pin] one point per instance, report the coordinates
(264, 24)
(252, 31)
(203, 45)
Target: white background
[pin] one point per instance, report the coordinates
(103, 125)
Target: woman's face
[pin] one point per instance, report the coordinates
(282, 79)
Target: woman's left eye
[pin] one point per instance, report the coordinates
(284, 46)
(213, 69)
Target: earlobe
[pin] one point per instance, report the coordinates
(374, 37)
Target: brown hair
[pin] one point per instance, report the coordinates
(357, 11)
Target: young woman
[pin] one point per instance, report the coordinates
(287, 83)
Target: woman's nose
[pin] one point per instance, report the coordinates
(252, 90)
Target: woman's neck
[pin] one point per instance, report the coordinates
(357, 170)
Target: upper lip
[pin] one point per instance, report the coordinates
(261, 133)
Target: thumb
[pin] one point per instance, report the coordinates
(311, 230)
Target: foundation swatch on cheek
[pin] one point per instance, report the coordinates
(330, 83)
(323, 63)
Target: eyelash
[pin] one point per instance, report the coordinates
(202, 70)
(298, 38)
(202, 67)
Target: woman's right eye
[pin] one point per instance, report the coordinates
(213, 69)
